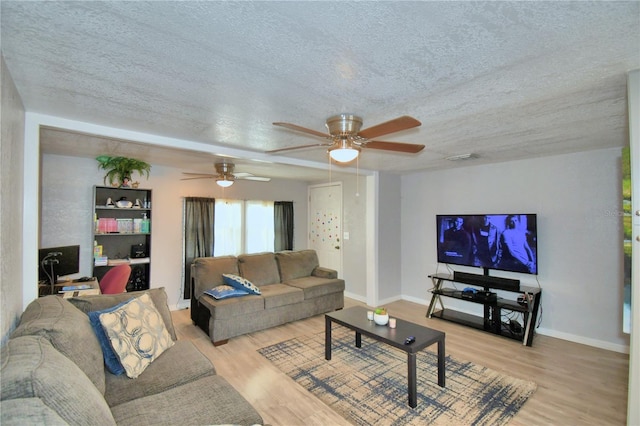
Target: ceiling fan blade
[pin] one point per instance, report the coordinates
(198, 174)
(254, 178)
(394, 146)
(298, 147)
(302, 129)
(401, 123)
(199, 177)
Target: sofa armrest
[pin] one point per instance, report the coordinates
(323, 272)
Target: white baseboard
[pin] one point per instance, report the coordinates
(545, 331)
(583, 340)
(182, 304)
(357, 297)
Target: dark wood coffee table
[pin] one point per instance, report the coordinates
(355, 318)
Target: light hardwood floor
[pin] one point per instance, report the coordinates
(577, 384)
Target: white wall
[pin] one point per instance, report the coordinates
(577, 198)
(67, 212)
(389, 231)
(354, 204)
(11, 203)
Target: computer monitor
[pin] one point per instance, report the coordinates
(56, 262)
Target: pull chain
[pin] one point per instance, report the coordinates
(358, 176)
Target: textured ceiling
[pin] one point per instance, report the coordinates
(502, 80)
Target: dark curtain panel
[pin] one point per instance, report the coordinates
(198, 234)
(283, 225)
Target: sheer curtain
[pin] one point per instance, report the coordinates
(283, 225)
(199, 215)
(228, 227)
(259, 233)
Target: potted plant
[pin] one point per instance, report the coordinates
(119, 169)
(381, 316)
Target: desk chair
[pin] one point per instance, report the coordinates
(115, 280)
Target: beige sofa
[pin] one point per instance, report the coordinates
(53, 373)
(292, 283)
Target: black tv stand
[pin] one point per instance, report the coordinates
(526, 302)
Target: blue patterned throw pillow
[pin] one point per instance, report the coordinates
(225, 291)
(137, 334)
(111, 360)
(240, 283)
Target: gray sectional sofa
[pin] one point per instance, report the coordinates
(292, 284)
(53, 373)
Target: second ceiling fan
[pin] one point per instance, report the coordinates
(346, 139)
(225, 175)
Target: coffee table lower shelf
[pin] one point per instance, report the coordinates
(463, 318)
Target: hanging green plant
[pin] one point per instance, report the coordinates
(119, 169)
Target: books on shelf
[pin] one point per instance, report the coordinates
(110, 225)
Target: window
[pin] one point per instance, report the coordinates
(259, 231)
(243, 227)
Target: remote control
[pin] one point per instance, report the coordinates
(409, 340)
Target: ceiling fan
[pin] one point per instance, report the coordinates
(346, 139)
(225, 176)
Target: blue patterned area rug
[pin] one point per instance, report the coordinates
(368, 386)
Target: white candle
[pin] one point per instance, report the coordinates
(392, 323)
(370, 315)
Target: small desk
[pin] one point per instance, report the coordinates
(45, 289)
(355, 318)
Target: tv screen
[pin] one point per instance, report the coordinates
(58, 261)
(507, 242)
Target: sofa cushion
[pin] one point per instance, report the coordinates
(111, 360)
(317, 287)
(103, 301)
(28, 411)
(259, 268)
(233, 307)
(280, 295)
(68, 330)
(161, 375)
(296, 264)
(225, 292)
(137, 333)
(209, 400)
(33, 368)
(206, 272)
(240, 283)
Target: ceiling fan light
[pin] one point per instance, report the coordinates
(224, 182)
(344, 155)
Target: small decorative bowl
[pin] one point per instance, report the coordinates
(381, 319)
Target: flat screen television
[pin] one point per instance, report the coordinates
(56, 262)
(506, 242)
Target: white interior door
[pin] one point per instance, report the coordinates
(325, 224)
